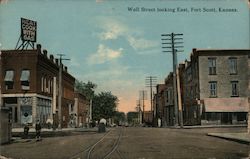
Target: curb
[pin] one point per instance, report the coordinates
(230, 137)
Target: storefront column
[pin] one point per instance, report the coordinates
(34, 106)
(18, 111)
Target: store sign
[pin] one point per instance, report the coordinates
(28, 30)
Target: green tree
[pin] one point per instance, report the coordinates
(104, 105)
(86, 89)
(131, 116)
(119, 117)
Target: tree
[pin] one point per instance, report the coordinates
(87, 89)
(131, 116)
(119, 117)
(104, 105)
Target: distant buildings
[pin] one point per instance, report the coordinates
(29, 87)
(213, 89)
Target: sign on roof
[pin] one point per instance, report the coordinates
(28, 30)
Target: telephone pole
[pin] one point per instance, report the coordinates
(143, 96)
(173, 45)
(151, 82)
(60, 90)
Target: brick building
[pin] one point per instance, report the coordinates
(160, 104)
(29, 86)
(216, 88)
(80, 110)
(169, 100)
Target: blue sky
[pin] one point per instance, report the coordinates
(116, 48)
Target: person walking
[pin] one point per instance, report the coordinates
(38, 131)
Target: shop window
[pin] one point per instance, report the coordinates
(9, 79)
(25, 79)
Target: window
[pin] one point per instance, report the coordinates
(233, 65)
(9, 79)
(213, 88)
(212, 66)
(25, 79)
(235, 89)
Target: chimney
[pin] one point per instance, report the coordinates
(57, 62)
(45, 52)
(194, 49)
(38, 47)
(51, 58)
(66, 69)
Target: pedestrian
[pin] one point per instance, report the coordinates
(26, 131)
(38, 131)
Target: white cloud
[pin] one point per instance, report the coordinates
(112, 29)
(104, 54)
(140, 43)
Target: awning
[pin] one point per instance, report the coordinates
(9, 76)
(25, 76)
(237, 104)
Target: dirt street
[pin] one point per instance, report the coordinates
(132, 143)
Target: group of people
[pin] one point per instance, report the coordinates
(38, 128)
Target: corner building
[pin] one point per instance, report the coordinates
(29, 87)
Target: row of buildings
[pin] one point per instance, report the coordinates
(213, 87)
(29, 89)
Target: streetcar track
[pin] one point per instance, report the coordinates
(115, 146)
(89, 147)
(113, 149)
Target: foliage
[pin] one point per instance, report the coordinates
(86, 89)
(104, 105)
(119, 117)
(131, 116)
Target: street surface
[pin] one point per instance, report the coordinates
(132, 143)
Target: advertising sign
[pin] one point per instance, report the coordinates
(28, 30)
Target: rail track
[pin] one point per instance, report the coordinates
(104, 148)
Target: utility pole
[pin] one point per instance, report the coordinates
(173, 45)
(138, 107)
(151, 82)
(143, 96)
(60, 90)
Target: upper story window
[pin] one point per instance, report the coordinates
(235, 88)
(9, 79)
(212, 66)
(25, 79)
(213, 88)
(232, 65)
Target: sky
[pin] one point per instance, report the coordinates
(117, 44)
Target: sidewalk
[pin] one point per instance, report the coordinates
(18, 132)
(238, 137)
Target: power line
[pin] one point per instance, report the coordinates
(173, 45)
(142, 97)
(151, 82)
